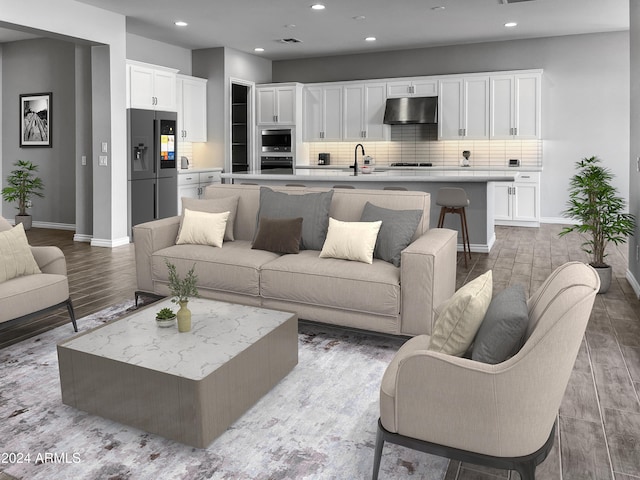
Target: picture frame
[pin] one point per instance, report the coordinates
(35, 120)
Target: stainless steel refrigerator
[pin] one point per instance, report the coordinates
(153, 176)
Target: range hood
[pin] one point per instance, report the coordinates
(407, 110)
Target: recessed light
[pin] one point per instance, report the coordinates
(258, 49)
(290, 25)
(318, 6)
(511, 24)
(180, 23)
(359, 17)
(370, 39)
(439, 8)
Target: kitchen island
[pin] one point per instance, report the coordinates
(479, 186)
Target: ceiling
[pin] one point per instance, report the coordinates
(342, 27)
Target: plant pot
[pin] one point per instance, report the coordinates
(166, 322)
(184, 317)
(25, 220)
(605, 274)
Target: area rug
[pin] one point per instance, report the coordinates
(319, 422)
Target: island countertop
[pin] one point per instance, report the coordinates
(378, 177)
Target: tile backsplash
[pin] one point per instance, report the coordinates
(419, 143)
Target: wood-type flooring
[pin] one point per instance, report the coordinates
(598, 435)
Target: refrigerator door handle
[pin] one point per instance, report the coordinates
(155, 200)
(156, 148)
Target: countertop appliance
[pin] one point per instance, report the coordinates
(324, 159)
(409, 110)
(276, 165)
(153, 176)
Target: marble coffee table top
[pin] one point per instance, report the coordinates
(219, 331)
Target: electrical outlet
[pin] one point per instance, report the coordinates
(83, 160)
(104, 147)
(102, 162)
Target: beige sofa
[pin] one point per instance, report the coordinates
(30, 295)
(378, 297)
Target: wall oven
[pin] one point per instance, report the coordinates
(279, 165)
(275, 140)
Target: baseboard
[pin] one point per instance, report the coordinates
(633, 282)
(51, 225)
(105, 242)
(79, 237)
(559, 220)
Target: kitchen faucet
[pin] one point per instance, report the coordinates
(355, 159)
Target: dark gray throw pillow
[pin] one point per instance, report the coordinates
(312, 207)
(398, 227)
(502, 331)
(278, 235)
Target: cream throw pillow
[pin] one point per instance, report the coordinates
(351, 240)
(203, 228)
(461, 316)
(16, 258)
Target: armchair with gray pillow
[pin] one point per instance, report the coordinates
(35, 282)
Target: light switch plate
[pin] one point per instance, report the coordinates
(83, 160)
(104, 147)
(102, 162)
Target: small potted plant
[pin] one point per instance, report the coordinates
(166, 317)
(23, 184)
(181, 290)
(598, 210)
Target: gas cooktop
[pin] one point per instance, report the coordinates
(411, 164)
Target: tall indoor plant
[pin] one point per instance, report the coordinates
(181, 290)
(598, 210)
(23, 184)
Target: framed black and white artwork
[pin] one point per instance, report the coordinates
(35, 120)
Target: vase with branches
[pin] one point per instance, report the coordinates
(599, 213)
(181, 290)
(23, 184)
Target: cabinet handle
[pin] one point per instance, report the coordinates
(526, 176)
(515, 130)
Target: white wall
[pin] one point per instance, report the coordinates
(158, 53)
(585, 93)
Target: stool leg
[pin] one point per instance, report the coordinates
(441, 219)
(465, 235)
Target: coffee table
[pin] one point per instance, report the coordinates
(189, 387)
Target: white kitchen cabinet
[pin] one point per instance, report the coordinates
(323, 113)
(363, 112)
(192, 184)
(463, 108)
(518, 203)
(279, 104)
(413, 87)
(192, 108)
(515, 111)
(151, 87)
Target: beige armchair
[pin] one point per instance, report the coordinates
(496, 415)
(26, 296)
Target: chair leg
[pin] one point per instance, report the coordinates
(441, 218)
(378, 453)
(465, 234)
(72, 314)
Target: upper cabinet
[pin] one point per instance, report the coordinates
(463, 108)
(515, 106)
(192, 108)
(416, 87)
(151, 87)
(279, 104)
(322, 113)
(363, 112)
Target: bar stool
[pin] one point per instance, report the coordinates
(454, 200)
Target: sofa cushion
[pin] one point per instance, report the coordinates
(501, 333)
(351, 240)
(202, 228)
(214, 205)
(396, 232)
(330, 282)
(461, 316)
(279, 235)
(233, 268)
(16, 258)
(4, 225)
(27, 294)
(312, 207)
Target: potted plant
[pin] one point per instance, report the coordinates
(23, 184)
(181, 290)
(166, 317)
(598, 210)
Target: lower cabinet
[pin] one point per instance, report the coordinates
(192, 184)
(518, 203)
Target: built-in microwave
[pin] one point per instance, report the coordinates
(275, 140)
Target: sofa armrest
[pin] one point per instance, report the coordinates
(427, 277)
(148, 238)
(50, 259)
